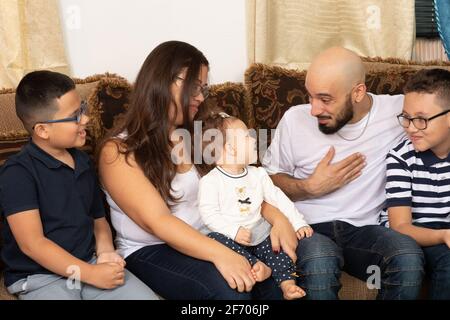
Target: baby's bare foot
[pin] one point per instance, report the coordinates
(261, 271)
(291, 290)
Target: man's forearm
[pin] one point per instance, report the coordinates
(295, 189)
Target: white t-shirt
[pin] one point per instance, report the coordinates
(131, 237)
(299, 145)
(228, 202)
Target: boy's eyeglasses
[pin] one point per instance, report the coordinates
(197, 89)
(418, 122)
(76, 118)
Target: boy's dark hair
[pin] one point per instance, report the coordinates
(432, 81)
(36, 96)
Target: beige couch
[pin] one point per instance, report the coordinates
(261, 101)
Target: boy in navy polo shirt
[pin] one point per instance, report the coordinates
(57, 242)
(418, 174)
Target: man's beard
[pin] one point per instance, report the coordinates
(341, 119)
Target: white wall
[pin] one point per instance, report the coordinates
(117, 35)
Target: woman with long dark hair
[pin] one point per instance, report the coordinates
(153, 198)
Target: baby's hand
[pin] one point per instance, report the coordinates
(244, 236)
(113, 257)
(304, 232)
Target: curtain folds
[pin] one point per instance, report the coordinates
(30, 39)
(290, 33)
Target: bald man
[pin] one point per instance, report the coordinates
(329, 158)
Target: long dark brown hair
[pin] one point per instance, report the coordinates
(147, 121)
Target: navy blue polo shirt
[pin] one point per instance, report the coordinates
(68, 201)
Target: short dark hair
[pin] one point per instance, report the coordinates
(432, 81)
(36, 96)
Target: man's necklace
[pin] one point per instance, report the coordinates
(365, 127)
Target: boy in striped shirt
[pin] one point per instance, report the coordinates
(418, 174)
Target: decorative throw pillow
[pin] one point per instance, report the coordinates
(272, 90)
(12, 133)
(107, 105)
(232, 98)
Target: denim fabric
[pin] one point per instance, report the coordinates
(175, 276)
(437, 265)
(398, 257)
(281, 265)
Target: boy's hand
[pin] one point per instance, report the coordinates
(304, 232)
(447, 237)
(111, 257)
(244, 236)
(107, 275)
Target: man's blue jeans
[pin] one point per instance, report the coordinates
(339, 245)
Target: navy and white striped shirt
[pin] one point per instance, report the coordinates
(419, 180)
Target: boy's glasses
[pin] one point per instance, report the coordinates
(197, 89)
(76, 118)
(418, 122)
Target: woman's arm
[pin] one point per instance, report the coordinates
(282, 235)
(140, 200)
(400, 219)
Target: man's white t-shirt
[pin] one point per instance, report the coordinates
(298, 146)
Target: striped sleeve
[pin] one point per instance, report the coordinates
(398, 181)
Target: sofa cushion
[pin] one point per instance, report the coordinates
(12, 133)
(107, 105)
(272, 90)
(381, 64)
(232, 98)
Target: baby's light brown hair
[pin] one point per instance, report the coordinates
(212, 118)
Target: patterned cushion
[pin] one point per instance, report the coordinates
(272, 90)
(380, 64)
(232, 98)
(107, 105)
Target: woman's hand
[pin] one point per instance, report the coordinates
(236, 270)
(284, 237)
(110, 257)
